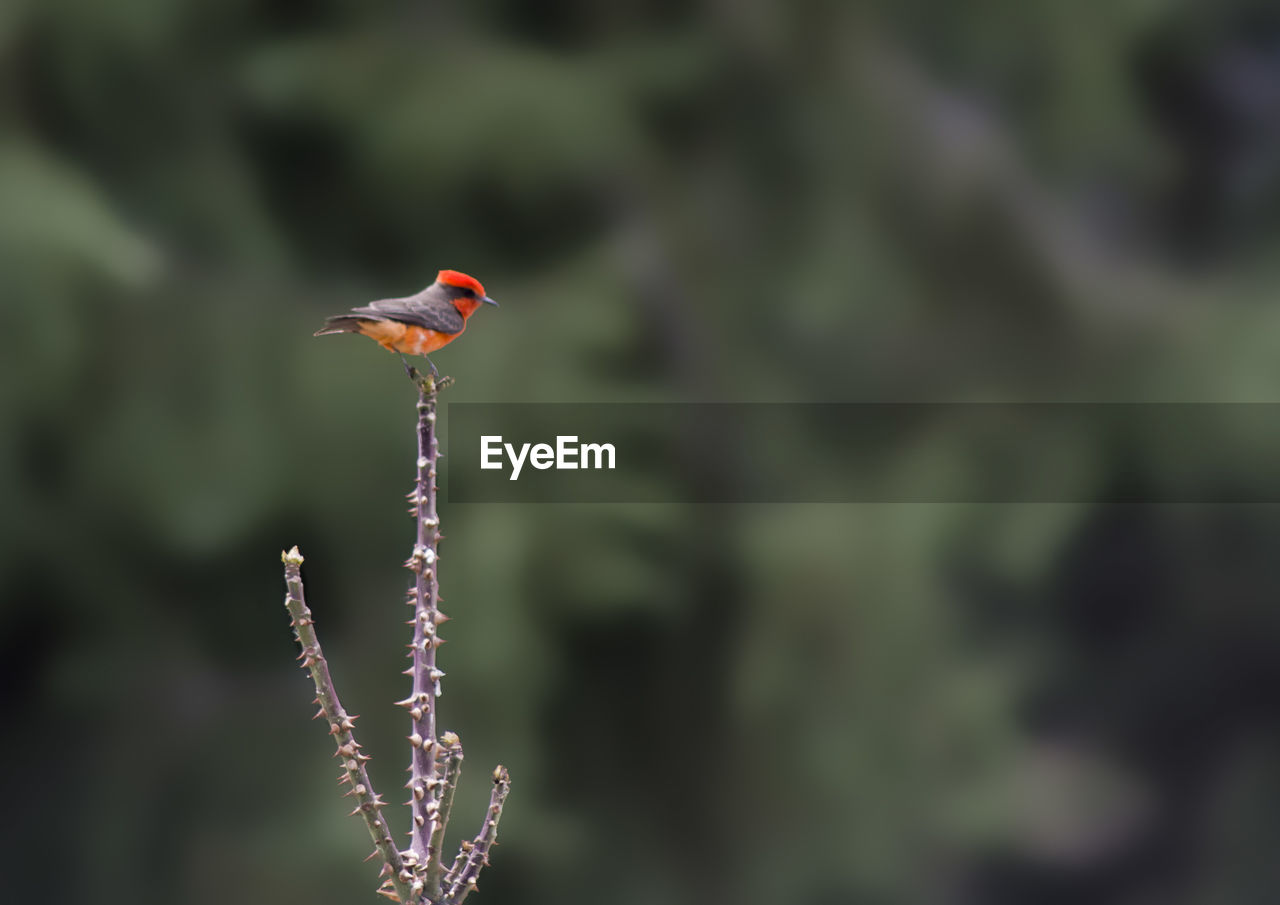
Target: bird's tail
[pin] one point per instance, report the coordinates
(342, 323)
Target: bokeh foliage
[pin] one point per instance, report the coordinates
(708, 201)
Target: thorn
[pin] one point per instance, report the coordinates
(369, 857)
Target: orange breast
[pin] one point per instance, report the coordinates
(407, 338)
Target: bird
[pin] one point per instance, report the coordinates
(416, 324)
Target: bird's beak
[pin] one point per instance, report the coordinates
(489, 301)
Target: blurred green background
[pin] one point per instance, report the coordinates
(764, 201)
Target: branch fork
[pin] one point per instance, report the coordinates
(416, 875)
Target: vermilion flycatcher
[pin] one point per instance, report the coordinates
(416, 324)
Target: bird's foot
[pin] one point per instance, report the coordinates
(410, 369)
(426, 381)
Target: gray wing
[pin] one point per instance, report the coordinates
(426, 309)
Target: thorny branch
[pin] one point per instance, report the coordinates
(369, 806)
(415, 876)
(424, 771)
(474, 855)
